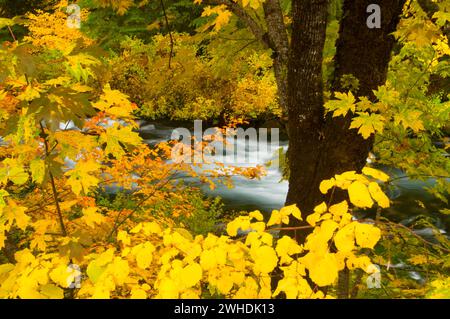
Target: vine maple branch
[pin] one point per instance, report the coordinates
(52, 182)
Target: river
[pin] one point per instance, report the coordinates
(270, 191)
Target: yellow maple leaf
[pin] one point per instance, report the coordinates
(114, 102)
(115, 136)
(80, 178)
(91, 217)
(368, 124)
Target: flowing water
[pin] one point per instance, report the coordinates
(270, 191)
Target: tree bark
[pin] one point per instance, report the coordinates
(279, 43)
(305, 101)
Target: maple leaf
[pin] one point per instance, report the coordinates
(12, 170)
(115, 103)
(37, 169)
(343, 103)
(410, 119)
(115, 136)
(91, 217)
(441, 17)
(17, 213)
(79, 178)
(368, 124)
(222, 16)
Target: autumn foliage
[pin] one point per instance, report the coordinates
(69, 136)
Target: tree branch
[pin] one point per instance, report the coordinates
(276, 29)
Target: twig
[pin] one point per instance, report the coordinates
(52, 182)
(170, 32)
(12, 34)
(416, 175)
(291, 228)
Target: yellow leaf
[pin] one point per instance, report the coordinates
(17, 213)
(168, 289)
(256, 215)
(339, 209)
(326, 185)
(291, 210)
(52, 291)
(115, 103)
(137, 293)
(191, 275)
(224, 284)
(265, 259)
(378, 194)
(344, 239)
(359, 195)
(321, 208)
(323, 269)
(62, 275)
(123, 237)
(367, 235)
(37, 169)
(80, 179)
(144, 254)
(368, 123)
(275, 218)
(115, 136)
(313, 219)
(375, 173)
(91, 217)
(342, 104)
(286, 247)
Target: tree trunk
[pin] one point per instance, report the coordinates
(321, 147)
(305, 101)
